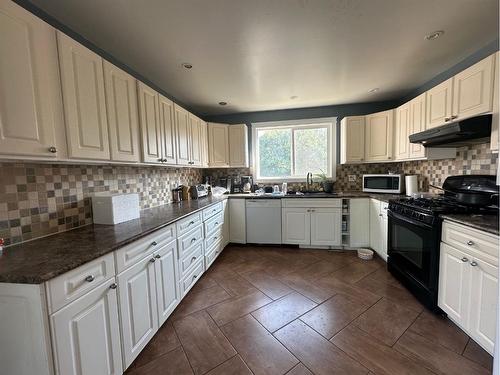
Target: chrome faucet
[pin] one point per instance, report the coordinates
(309, 181)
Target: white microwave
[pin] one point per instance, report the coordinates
(384, 183)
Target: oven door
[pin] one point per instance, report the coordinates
(412, 248)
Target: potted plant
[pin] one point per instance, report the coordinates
(327, 185)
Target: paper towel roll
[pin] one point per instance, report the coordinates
(411, 184)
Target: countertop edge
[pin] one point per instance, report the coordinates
(470, 223)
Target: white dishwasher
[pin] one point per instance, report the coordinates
(263, 221)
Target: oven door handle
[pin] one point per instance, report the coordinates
(408, 220)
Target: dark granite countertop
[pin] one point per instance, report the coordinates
(344, 194)
(37, 261)
(487, 223)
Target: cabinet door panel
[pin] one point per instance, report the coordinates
(359, 222)
(326, 226)
(123, 121)
(495, 121)
(439, 102)
(238, 146)
(378, 136)
(296, 226)
(150, 124)
(182, 130)
(86, 334)
(167, 276)
(473, 89)
(168, 129)
(195, 137)
(484, 295)
(417, 124)
(375, 220)
(353, 139)
(218, 141)
(402, 131)
(138, 308)
(28, 83)
(82, 80)
(454, 284)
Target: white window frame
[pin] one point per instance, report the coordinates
(329, 123)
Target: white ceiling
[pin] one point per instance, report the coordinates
(256, 54)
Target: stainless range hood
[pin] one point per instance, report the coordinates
(460, 133)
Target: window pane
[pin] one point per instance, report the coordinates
(311, 151)
(275, 147)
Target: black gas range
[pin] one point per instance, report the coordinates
(414, 233)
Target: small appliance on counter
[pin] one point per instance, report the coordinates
(384, 183)
(113, 209)
(225, 182)
(246, 184)
(236, 184)
(177, 194)
(199, 191)
(411, 185)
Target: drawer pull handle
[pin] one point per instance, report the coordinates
(90, 278)
(473, 264)
(195, 276)
(216, 223)
(193, 259)
(191, 223)
(113, 286)
(193, 239)
(446, 119)
(152, 260)
(470, 243)
(154, 243)
(464, 259)
(157, 256)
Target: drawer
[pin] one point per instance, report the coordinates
(312, 202)
(214, 223)
(213, 237)
(130, 254)
(190, 258)
(75, 283)
(190, 279)
(471, 241)
(207, 213)
(188, 240)
(185, 225)
(213, 253)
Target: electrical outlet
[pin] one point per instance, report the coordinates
(352, 178)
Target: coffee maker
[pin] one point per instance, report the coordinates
(246, 184)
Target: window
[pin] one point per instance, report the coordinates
(288, 151)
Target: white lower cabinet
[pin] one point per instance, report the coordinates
(359, 235)
(167, 288)
(296, 226)
(468, 281)
(86, 334)
(378, 227)
(325, 226)
(237, 221)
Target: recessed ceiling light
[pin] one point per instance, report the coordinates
(293, 97)
(434, 35)
(373, 91)
(222, 103)
(187, 65)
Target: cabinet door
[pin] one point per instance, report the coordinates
(121, 107)
(238, 146)
(375, 220)
(149, 114)
(29, 83)
(359, 222)
(473, 89)
(454, 284)
(204, 143)
(417, 124)
(495, 121)
(378, 136)
(167, 125)
(182, 132)
(296, 226)
(195, 137)
(402, 131)
(237, 222)
(439, 101)
(483, 307)
(138, 308)
(384, 228)
(218, 145)
(352, 139)
(225, 225)
(86, 334)
(82, 81)
(326, 226)
(167, 281)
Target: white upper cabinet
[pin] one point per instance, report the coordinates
(439, 102)
(82, 81)
(379, 136)
(123, 122)
(182, 129)
(238, 146)
(29, 83)
(495, 121)
(204, 143)
(195, 136)
(473, 89)
(402, 132)
(152, 145)
(352, 146)
(218, 145)
(167, 124)
(417, 124)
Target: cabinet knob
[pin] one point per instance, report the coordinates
(454, 117)
(113, 286)
(193, 240)
(464, 259)
(154, 243)
(216, 223)
(446, 119)
(193, 259)
(90, 278)
(191, 223)
(195, 276)
(52, 149)
(470, 243)
(157, 256)
(152, 260)
(473, 264)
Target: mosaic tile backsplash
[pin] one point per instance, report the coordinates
(41, 199)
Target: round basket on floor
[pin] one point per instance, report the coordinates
(365, 254)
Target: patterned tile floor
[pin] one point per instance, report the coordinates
(263, 310)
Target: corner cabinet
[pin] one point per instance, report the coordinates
(238, 146)
(352, 133)
(379, 136)
(29, 84)
(84, 100)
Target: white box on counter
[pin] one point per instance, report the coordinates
(110, 208)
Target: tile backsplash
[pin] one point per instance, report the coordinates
(41, 199)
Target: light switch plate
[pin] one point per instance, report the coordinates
(352, 178)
